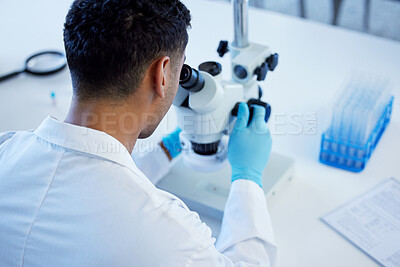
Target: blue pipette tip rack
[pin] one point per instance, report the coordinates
(346, 151)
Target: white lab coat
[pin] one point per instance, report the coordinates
(73, 196)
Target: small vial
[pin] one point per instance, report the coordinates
(53, 97)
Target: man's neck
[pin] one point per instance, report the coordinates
(115, 120)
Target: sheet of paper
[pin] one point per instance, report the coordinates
(372, 222)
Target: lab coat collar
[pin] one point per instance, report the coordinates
(85, 140)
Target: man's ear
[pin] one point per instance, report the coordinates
(160, 75)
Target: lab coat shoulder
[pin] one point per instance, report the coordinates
(5, 136)
(125, 219)
(153, 163)
(8, 139)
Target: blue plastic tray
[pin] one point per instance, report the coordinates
(351, 157)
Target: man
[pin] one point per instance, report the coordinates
(70, 193)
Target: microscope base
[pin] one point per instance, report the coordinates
(207, 192)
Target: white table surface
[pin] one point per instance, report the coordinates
(315, 61)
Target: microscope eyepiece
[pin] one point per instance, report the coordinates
(191, 79)
(186, 73)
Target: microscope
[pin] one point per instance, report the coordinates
(206, 104)
(206, 107)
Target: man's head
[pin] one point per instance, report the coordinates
(120, 49)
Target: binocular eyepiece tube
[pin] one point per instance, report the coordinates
(191, 79)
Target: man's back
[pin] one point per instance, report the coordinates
(65, 202)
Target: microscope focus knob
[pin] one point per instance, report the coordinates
(261, 72)
(223, 48)
(250, 103)
(272, 61)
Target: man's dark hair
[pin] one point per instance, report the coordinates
(110, 43)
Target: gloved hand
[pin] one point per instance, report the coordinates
(249, 145)
(172, 144)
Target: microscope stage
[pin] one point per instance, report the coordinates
(207, 192)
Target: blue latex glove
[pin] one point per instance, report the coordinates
(249, 145)
(172, 144)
